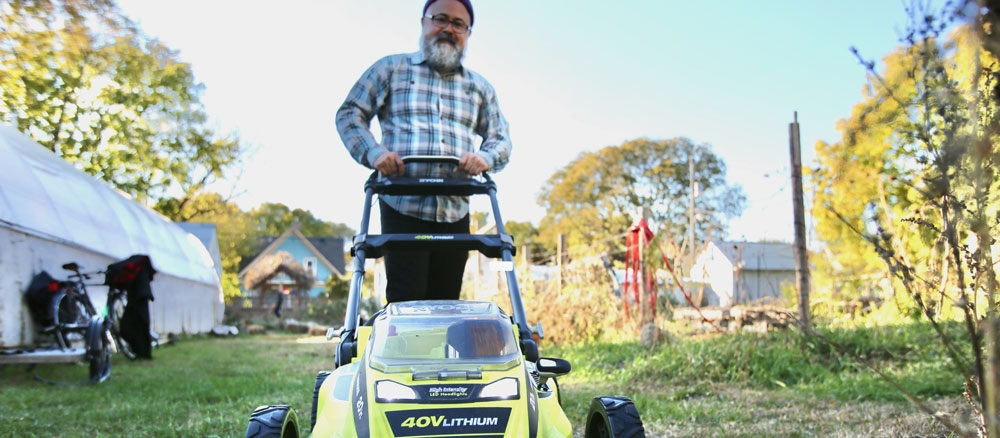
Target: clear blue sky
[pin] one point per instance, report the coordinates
(572, 76)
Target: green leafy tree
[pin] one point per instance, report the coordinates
(523, 233)
(526, 235)
(913, 184)
(337, 286)
(594, 199)
(272, 219)
(868, 174)
(81, 79)
(238, 237)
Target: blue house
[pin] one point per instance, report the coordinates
(293, 265)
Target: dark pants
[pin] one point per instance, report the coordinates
(432, 274)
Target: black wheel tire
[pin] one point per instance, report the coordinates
(613, 417)
(320, 378)
(98, 351)
(115, 311)
(68, 309)
(273, 421)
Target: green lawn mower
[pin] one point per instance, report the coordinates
(441, 368)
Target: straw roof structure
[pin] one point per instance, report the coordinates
(280, 262)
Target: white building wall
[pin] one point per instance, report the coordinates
(181, 305)
(714, 269)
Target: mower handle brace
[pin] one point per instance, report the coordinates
(366, 246)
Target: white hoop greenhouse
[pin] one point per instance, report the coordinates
(52, 213)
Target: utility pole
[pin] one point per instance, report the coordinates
(691, 182)
(798, 207)
(560, 255)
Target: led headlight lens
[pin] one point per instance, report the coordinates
(389, 391)
(503, 389)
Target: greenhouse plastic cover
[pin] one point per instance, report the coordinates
(43, 195)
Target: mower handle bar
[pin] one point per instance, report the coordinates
(443, 159)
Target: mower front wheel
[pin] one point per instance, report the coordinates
(273, 421)
(320, 378)
(613, 417)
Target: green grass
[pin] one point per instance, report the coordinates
(198, 387)
(727, 385)
(718, 383)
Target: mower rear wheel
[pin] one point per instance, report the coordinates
(273, 421)
(613, 417)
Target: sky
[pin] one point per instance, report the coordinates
(572, 76)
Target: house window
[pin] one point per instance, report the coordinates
(310, 264)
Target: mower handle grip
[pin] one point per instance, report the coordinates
(445, 159)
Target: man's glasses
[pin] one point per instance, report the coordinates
(441, 21)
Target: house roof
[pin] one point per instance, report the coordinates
(269, 265)
(759, 256)
(332, 249)
(328, 250)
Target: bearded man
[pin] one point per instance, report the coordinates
(427, 103)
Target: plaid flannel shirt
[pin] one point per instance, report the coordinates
(422, 112)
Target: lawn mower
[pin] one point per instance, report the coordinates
(440, 368)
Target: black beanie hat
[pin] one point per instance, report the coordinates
(466, 3)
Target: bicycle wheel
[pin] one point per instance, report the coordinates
(116, 308)
(98, 351)
(71, 319)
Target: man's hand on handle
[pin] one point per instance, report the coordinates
(389, 163)
(472, 164)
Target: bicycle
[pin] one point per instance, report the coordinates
(113, 310)
(66, 313)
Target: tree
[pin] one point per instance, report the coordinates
(526, 235)
(272, 219)
(868, 174)
(238, 238)
(915, 179)
(82, 80)
(337, 286)
(593, 199)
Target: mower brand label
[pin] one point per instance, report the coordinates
(442, 421)
(464, 421)
(433, 237)
(406, 308)
(432, 180)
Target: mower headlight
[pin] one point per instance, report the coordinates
(389, 391)
(503, 389)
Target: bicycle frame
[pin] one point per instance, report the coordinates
(112, 318)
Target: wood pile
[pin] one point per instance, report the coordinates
(757, 318)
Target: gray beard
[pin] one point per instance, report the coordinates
(442, 56)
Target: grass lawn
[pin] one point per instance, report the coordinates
(203, 386)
